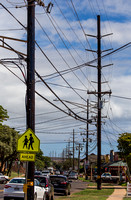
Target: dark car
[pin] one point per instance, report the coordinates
(46, 183)
(61, 184)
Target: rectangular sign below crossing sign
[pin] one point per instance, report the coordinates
(27, 157)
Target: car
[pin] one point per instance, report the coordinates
(3, 178)
(45, 172)
(57, 172)
(45, 181)
(73, 175)
(37, 173)
(14, 189)
(65, 173)
(106, 176)
(61, 184)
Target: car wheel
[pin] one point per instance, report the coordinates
(35, 197)
(52, 197)
(6, 198)
(66, 193)
(48, 197)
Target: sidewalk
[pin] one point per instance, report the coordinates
(118, 194)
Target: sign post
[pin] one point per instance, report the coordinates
(28, 144)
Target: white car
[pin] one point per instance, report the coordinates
(3, 178)
(73, 175)
(45, 173)
(14, 189)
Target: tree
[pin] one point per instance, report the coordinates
(8, 144)
(3, 114)
(129, 161)
(124, 144)
(42, 161)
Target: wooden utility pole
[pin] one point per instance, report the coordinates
(30, 110)
(87, 139)
(99, 101)
(73, 149)
(99, 105)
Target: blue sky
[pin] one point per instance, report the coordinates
(61, 36)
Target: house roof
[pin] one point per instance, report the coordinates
(118, 164)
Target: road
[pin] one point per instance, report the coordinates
(76, 186)
(1, 191)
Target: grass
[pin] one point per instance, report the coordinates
(89, 194)
(14, 174)
(93, 183)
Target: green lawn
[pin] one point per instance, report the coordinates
(127, 198)
(15, 174)
(89, 194)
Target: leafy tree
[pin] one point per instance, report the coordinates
(3, 114)
(8, 143)
(39, 164)
(67, 164)
(124, 144)
(42, 161)
(129, 161)
(47, 161)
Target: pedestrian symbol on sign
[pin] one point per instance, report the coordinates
(31, 142)
(28, 142)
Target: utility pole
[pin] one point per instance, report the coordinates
(79, 148)
(99, 105)
(78, 158)
(99, 101)
(73, 149)
(30, 90)
(87, 139)
(69, 149)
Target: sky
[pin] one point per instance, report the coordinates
(62, 62)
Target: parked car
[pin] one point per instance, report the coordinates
(57, 172)
(3, 178)
(65, 173)
(106, 176)
(14, 189)
(61, 184)
(37, 173)
(46, 183)
(45, 172)
(73, 175)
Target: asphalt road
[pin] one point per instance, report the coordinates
(1, 191)
(76, 186)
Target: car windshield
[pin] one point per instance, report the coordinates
(41, 179)
(106, 174)
(73, 173)
(38, 173)
(57, 179)
(21, 181)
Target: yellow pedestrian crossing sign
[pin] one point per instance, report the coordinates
(28, 142)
